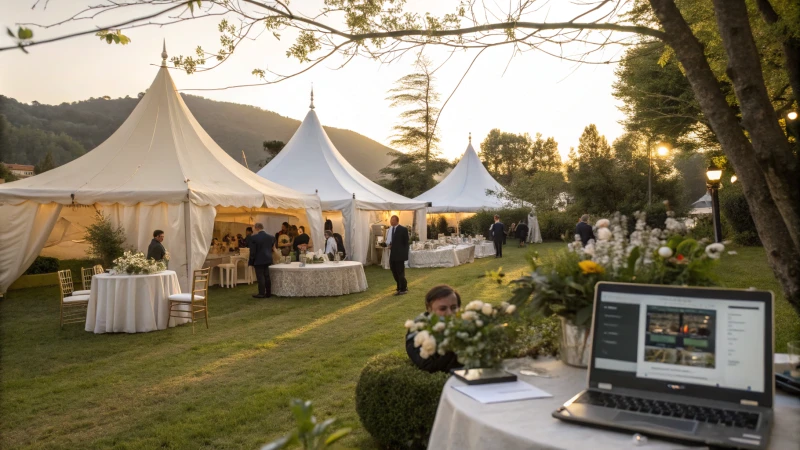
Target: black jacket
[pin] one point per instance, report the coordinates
(435, 362)
(522, 231)
(584, 230)
(399, 244)
(156, 250)
(498, 231)
(261, 245)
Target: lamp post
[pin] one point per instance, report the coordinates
(662, 151)
(714, 174)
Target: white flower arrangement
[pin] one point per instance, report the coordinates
(478, 336)
(137, 264)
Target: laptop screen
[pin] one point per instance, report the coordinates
(711, 343)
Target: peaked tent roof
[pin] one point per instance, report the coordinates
(464, 188)
(159, 154)
(311, 163)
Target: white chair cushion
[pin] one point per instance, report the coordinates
(86, 292)
(76, 298)
(227, 265)
(184, 297)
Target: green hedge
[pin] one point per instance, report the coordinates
(43, 264)
(397, 402)
(734, 208)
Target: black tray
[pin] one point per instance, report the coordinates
(484, 376)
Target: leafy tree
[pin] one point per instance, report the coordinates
(504, 154)
(105, 241)
(544, 155)
(405, 174)
(45, 164)
(272, 148)
(544, 189)
(752, 138)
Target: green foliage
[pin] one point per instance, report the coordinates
(272, 148)
(733, 206)
(397, 402)
(105, 241)
(113, 37)
(556, 225)
(479, 223)
(441, 225)
(43, 264)
(544, 189)
(509, 156)
(407, 173)
(537, 336)
(309, 434)
(47, 163)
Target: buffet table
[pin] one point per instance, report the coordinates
(131, 303)
(446, 256)
(463, 423)
(317, 280)
(484, 249)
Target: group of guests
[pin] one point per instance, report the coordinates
(291, 240)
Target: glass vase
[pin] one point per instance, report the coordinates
(576, 344)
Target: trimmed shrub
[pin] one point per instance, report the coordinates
(479, 223)
(43, 264)
(441, 226)
(554, 224)
(733, 206)
(397, 402)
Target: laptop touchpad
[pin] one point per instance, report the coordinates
(628, 418)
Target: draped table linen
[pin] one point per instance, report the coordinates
(317, 280)
(464, 424)
(131, 303)
(446, 256)
(484, 249)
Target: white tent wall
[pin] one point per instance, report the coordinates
(24, 229)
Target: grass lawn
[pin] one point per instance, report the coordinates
(230, 386)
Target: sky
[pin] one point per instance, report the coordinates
(529, 93)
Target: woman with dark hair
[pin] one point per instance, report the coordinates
(443, 301)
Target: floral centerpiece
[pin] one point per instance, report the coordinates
(565, 287)
(136, 264)
(479, 335)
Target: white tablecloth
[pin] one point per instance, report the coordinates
(447, 256)
(484, 250)
(317, 280)
(131, 303)
(463, 423)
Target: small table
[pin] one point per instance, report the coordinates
(464, 423)
(484, 249)
(317, 280)
(131, 303)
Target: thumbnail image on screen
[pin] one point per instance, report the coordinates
(680, 336)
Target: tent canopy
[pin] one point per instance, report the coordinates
(159, 170)
(310, 163)
(464, 188)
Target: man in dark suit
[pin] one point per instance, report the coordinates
(498, 235)
(261, 248)
(397, 242)
(156, 249)
(584, 230)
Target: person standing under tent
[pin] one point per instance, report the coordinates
(498, 236)
(262, 246)
(397, 241)
(284, 230)
(156, 249)
(300, 243)
(331, 248)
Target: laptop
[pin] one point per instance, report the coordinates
(686, 364)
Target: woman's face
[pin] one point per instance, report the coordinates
(445, 306)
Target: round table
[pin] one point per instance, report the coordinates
(317, 280)
(463, 423)
(131, 303)
(484, 249)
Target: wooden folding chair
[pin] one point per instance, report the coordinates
(73, 307)
(197, 299)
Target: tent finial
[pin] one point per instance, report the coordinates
(312, 97)
(470, 137)
(164, 54)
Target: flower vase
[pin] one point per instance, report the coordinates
(575, 347)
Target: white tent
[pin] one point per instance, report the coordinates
(702, 205)
(159, 170)
(310, 163)
(464, 188)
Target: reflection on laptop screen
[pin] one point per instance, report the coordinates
(682, 339)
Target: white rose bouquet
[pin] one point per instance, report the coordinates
(137, 264)
(479, 335)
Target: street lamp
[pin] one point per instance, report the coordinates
(714, 174)
(662, 150)
(792, 115)
(734, 178)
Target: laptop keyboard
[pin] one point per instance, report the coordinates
(724, 417)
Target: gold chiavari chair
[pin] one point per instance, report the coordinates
(73, 307)
(98, 269)
(196, 300)
(86, 280)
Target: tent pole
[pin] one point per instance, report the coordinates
(187, 230)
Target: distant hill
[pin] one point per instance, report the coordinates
(38, 128)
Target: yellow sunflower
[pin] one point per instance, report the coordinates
(588, 267)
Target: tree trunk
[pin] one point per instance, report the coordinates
(782, 254)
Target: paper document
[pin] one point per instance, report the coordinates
(502, 392)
